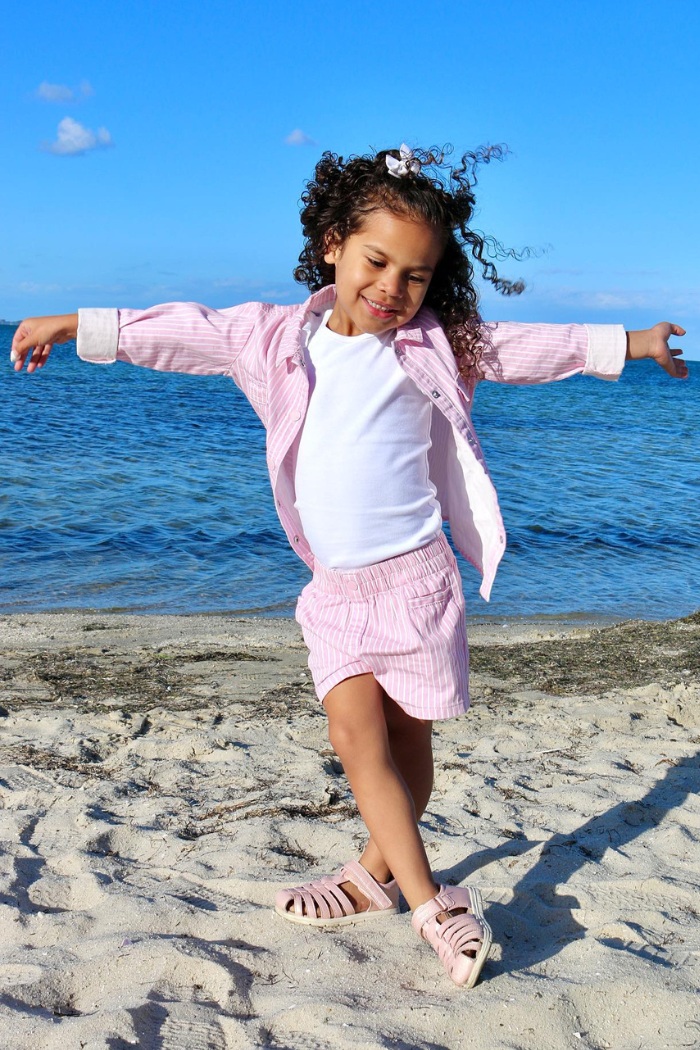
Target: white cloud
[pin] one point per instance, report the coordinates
(62, 93)
(557, 271)
(273, 294)
(35, 287)
(74, 138)
(300, 138)
(256, 289)
(659, 297)
(229, 282)
(625, 298)
(564, 272)
(53, 92)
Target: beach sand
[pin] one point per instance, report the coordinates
(162, 776)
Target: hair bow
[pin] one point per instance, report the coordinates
(407, 163)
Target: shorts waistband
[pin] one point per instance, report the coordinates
(384, 575)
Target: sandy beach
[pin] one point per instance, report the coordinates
(162, 776)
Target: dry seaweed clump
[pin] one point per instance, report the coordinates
(627, 655)
(290, 699)
(37, 758)
(137, 680)
(332, 808)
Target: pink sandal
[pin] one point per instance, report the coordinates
(325, 896)
(461, 941)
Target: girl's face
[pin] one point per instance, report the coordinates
(382, 273)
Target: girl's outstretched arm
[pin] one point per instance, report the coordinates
(169, 337)
(542, 353)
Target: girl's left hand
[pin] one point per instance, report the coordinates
(653, 342)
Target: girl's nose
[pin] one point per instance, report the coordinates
(391, 285)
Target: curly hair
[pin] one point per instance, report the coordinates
(342, 193)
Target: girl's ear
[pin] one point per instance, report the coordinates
(333, 248)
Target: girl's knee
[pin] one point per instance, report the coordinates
(356, 723)
(350, 737)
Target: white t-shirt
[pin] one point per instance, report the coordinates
(362, 488)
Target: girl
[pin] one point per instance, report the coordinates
(365, 390)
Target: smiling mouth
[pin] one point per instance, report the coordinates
(380, 306)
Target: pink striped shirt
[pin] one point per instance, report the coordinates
(259, 346)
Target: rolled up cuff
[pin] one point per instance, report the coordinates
(98, 335)
(607, 349)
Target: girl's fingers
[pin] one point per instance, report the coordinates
(33, 358)
(30, 360)
(679, 365)
(19, 346)
(22, 339)
(17, 339)
(44, 355)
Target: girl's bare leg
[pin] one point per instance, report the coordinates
(358, 732)
(410, 743)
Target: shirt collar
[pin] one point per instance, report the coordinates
(317, 302)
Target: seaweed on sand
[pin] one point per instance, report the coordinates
(626, 655)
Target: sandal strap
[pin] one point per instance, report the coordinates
(360, 877)
(448, 898)
(449, 951)
(462, 933)
(325, 894)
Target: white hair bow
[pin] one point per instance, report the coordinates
(407, 163)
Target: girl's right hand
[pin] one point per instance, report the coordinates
(35, 337)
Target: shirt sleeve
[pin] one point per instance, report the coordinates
(170, 337)
(542, 353)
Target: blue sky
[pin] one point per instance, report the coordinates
(157, 151)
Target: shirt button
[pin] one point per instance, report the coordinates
(296, 415)
(296, 539)
(436, 393)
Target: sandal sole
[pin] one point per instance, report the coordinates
(478, 910)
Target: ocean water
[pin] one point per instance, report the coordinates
(130, 490)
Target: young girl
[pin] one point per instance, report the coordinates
(365, 390)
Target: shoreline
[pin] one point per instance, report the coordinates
(565, 619)
(162, 775)
(482, 630)
(474, 619)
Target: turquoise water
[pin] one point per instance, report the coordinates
(130, 490)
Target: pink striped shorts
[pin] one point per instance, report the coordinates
(402, 619)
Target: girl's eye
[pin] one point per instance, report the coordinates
(379, 264)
